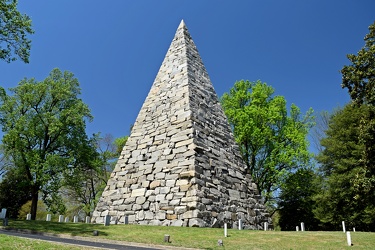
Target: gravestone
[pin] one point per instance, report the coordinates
(61, 218)
(107, 220)
(87, 220)
(66, 219)
(181, 165)
(28, 217)
(48, 217)
(75, 219)
(3, 213)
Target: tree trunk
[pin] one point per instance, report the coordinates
(34, 201)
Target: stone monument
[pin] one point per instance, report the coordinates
(181, 165)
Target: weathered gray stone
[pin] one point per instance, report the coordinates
(180, 165)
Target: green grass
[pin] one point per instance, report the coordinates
(205, 238)
(11, 243)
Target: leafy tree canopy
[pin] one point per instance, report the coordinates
(44, 126)
(14, 28)
(296, 200)
(342, 197)
(359, 77)
(272, 142)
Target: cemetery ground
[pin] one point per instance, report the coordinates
(199, 238)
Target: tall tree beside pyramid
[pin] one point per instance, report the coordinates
(181, 165)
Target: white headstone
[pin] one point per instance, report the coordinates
(28, 217)
(48, 218)
(107, 220)
(349, 238)
(75, 219)
(297, 228)
(353, 229)
(302, 226)
(343, 226)
(3, 213)
(87, 219)
(66, 219)
(225, 230)
(265, 226)
(239, 224)
(61, 218)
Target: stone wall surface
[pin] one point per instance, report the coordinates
(181, 165)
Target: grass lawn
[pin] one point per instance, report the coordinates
(201, 238)
(11, 243)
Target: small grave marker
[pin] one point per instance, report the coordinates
(75, 219)
(302, 226)
(167, 238)
(67, 219)
(265, 226)
(239, 224)
(225, 230)
(343, 226)
(87, 219)
(297, 228)
(3, 213)
(107, 220)
(349, 239)
(61, 218)
(28, 217)
(48, 217)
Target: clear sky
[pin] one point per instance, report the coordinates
(115, 48)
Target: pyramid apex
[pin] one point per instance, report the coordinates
(182, 24)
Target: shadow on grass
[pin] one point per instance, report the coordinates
(55, 228)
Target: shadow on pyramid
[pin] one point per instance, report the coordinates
(181, 165)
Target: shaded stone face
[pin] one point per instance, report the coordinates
(181, 165)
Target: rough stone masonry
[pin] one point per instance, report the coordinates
(181, 165)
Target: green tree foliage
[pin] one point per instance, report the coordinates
(85, 183)
(120, 143)
(340, 197)
(296, 200)
(14, 28)
(14, 192)
(359, 79)
(272, 142)
(5, 162)
(44, 125)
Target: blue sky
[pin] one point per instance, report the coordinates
(115, 48)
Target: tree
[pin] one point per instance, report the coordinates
(359, 79)
(272, 142)
(296, 202)
(340, 198)
(44, 126)
(5, 162)
(14, 28)
(319, 130)
(85, 183)
(14, 192)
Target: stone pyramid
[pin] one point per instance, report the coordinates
(181, 165)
